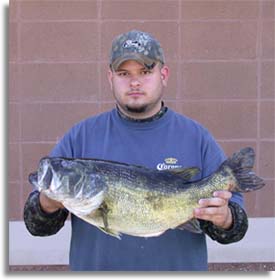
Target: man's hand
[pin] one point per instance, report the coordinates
(216, 209)
(49, 205)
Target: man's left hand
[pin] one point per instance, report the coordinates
(215, 209)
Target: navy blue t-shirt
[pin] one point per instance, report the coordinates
(171, 141)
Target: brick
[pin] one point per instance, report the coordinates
(165, 32)
(14, 199)
(171, 104)
(268, 39)
(59, 41)
(267, 159)
(267, 80)
(13, 42)
(27, 188)
(219, 80)
(231, 147)
(59, 82)
(267, 119)
(106, 106)
(268, 9)
(59, 10)
(13, 124)
(172, 89)
(250, 204)
(223, 10)
(223, 40)
(31, 154)
(13, 10)
(170, 92)
(13, 82)
(14, 166)
(140, 10)
(261, 203)
(226, 120)
(49, 122)
(106, 94)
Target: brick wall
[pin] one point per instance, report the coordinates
(221, 55)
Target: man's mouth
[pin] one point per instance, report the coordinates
(135, 93)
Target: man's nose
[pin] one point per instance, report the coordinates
(135, 82)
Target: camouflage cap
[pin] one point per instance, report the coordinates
(136, 45)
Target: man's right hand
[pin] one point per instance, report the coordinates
(49, 205)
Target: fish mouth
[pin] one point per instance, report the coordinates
(33, 178)
(43, 180)
(48, 176)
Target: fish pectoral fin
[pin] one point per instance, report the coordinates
(184, 173)
(104, 214)
(111, 232)
(103, 209)
(192, 225)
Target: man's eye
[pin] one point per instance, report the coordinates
(122, 74)
(146, 72)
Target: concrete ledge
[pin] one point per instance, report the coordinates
(212, 267)
(257, 246)
(24, 249)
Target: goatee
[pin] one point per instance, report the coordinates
(137, 110)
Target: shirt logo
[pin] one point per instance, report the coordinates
(169, 163)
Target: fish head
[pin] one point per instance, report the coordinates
(42, 178)
(62, 178)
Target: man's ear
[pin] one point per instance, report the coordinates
(110, 78)
(164, 72)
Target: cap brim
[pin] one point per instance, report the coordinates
(143, 60)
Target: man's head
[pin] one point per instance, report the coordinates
(136, 45)
(137, 74)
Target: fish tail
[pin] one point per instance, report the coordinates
(242, 163)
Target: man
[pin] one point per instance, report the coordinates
(141, 130)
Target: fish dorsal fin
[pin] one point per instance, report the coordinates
(184, 173)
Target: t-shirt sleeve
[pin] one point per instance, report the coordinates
(64, 148)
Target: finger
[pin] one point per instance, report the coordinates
(202, 215)
(215, 201)
(213, 214)
(209, 211)
(223, 194)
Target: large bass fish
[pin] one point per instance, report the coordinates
(121, 198)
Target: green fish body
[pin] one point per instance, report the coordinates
(121, 198)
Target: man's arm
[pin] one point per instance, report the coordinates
(43, 216)
(48, 205)
(221, 219)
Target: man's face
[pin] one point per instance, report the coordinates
(137, 90)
